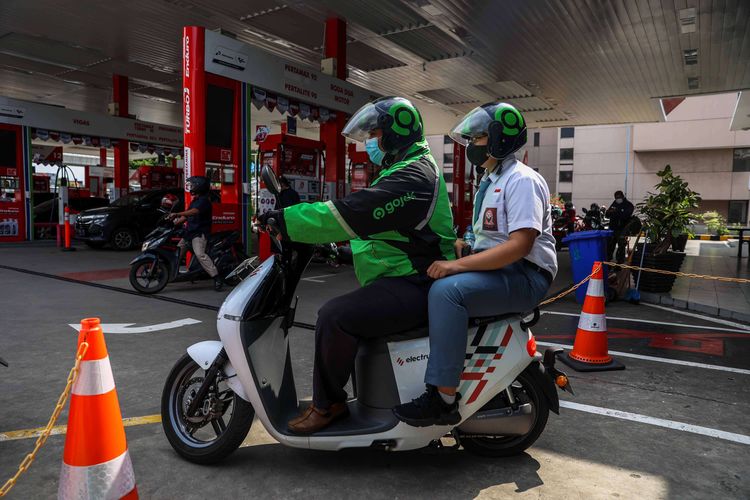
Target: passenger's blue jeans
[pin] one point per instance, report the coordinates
(454, 299)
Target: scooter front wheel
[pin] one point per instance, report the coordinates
(221, 424)
(148, 276)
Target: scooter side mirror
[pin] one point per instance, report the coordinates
(270, 180)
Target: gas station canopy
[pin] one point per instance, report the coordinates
(563, 63)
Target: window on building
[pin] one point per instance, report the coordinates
(737, 212)
(536, 138)
(566, 196)
(447, 158)
(448, 176)
(741, 162)
(566, 176)
(567, 133)
(566, 154)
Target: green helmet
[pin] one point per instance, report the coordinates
(397, 117)
(501, 122)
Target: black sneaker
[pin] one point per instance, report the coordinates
(429, 409)
(218, 284)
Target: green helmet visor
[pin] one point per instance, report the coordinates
(364, 121)
(474, 124)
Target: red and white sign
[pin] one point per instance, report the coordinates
(46, 155)
(193, 102)
(261, 132)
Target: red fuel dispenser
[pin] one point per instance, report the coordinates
(298, 159)
(12, 187)
(363, 171)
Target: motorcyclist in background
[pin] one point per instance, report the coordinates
(198, 217)
(399, 226)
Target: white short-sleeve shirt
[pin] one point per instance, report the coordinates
(517, 198)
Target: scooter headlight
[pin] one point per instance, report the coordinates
(147, 245)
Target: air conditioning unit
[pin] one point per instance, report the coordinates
(328, 66)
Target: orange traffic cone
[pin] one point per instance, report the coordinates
(589, 352)
(96, 463)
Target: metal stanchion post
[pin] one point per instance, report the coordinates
(68, 247)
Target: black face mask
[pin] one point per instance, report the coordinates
(477, 155)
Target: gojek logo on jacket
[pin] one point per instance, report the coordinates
(391, 206)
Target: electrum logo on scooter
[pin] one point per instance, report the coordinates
(412, 359)
(391, 206)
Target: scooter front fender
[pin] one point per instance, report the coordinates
(143, 257)
(538, 372)
(204, 354)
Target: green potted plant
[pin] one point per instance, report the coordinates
(666, 215)
(715, 224)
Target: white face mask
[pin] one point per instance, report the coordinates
(619, 200)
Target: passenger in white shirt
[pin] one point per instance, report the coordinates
(512, 265)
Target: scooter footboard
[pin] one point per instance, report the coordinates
(204, 354)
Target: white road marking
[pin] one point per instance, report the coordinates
(700, 316)
(652, 322)
(118, 328)
(657, 359)
(659, 422)
(315, 278)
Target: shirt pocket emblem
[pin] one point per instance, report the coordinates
(489, 219)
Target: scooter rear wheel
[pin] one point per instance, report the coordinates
(525, 389)
(225, 421)
(145, 280)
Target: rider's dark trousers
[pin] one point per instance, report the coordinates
(385, 306)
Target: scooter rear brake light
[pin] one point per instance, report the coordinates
(531, 346)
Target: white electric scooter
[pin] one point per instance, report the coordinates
(213, 391)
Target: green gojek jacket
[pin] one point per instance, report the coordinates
(398, 226)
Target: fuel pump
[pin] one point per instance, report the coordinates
(298, 159)
(362, 171)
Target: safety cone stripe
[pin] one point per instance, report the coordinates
(98, 435)
(113, 479)
(592, 322)
(94, 378)
(593, 305)
(595, 288)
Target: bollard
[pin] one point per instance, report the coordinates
(68, 247)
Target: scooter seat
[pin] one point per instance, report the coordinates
(424, 330)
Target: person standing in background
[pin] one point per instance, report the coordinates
(288, 196)
(619, 214)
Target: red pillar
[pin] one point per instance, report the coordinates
(330, 132)
(193, 102)
(122, 174)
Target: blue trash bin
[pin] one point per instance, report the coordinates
(586, 247)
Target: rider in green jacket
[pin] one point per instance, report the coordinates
(398, 227)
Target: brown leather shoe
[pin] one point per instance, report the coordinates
(314, 419)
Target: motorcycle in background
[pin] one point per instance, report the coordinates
(594, 218)
(158, 264)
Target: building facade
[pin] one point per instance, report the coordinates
(588, 164)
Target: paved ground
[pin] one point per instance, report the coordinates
(715, 258)
(582, 454)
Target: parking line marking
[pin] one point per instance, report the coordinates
(659, 422)
(699, 316)
(683, 325)
(62, 429)
(315, 278)
(661, 360)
